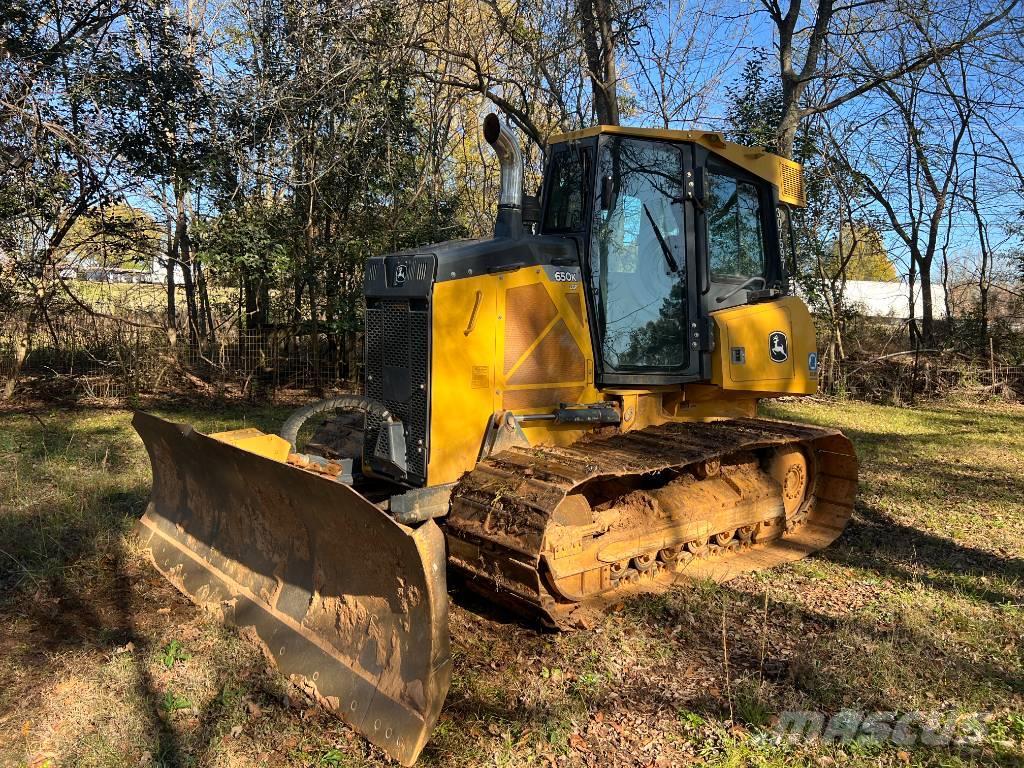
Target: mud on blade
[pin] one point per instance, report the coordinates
(350, 604)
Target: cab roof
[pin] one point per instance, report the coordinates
(784, 174)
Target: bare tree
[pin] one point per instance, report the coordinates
(678, 60)
(831, 53)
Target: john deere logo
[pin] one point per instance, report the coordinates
(778, 346)
(400, 274)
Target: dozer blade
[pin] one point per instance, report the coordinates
(349, 604)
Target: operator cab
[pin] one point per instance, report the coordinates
(671, 227)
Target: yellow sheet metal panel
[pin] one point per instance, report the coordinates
(254, 441)
(766, 348)
(705, 402)
(785, 174)
(514, 341)
(463, 362)
(544, 346)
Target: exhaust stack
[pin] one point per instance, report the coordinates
(509, 222)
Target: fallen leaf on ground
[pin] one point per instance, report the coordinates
(586, 618)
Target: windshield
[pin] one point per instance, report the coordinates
(639, 255)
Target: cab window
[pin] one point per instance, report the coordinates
(566, 181)
(735, 233)
(638, 255)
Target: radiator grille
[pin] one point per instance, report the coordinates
(792, 182)
(397, 339)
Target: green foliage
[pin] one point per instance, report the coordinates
(296, 226)
(113, 236)
(248, 239)
(172, 653)
(755, 105)
(172, 702)
(333, 757)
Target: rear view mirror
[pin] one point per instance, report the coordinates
(607, 190)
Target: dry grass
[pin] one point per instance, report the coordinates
(917, 606)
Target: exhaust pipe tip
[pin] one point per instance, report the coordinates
(492, 128)
(510, 203)
(506, 147)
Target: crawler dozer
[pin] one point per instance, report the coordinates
(555, 415)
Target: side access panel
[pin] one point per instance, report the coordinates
(348, 603)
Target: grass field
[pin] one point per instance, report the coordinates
(918, 607)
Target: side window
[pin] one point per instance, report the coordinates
(735, 238)
(567, 191)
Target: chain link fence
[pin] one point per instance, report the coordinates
(75, 355)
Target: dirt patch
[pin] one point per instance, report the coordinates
(637, 511)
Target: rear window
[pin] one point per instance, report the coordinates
(567, 189)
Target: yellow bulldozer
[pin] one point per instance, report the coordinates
(560, 413)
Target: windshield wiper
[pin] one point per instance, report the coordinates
(669, 258)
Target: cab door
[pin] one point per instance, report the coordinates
(737, 235)
(642, 265)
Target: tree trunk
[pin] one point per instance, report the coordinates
(204, 297)
(912, 304)
(309, 241)
(184, 257)
(946, 299)
(332, 282)
(927, 313)
(983, 311)
(23, 332)
(172, 309)
(599, 46)
(788, 127)
(251, 306)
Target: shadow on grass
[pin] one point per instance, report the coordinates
(875, 542)
(903, 468)
(84, 599)
(809, 679)
(43, 439)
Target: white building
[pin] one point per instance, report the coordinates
(891, 300)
